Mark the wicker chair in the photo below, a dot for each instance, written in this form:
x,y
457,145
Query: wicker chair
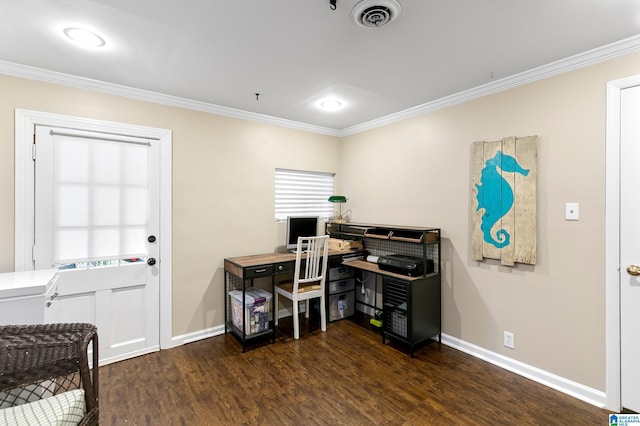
x,y
39,361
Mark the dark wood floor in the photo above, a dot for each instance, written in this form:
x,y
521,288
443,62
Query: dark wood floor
x,y
342,377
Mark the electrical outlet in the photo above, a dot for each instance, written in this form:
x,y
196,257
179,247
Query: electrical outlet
x,y
509,340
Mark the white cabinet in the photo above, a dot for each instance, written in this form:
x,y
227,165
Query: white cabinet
x,y
24,296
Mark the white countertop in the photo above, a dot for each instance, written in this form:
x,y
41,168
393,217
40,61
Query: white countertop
x,y
26,283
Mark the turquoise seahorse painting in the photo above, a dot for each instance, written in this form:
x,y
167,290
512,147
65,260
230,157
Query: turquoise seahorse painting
x,y
504,198
495,196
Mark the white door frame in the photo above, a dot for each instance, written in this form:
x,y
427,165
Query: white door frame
x,y
25,122
612,239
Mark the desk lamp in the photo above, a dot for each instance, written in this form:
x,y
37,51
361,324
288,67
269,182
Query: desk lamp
x,y
340,199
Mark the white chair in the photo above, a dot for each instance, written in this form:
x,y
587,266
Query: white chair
x,y
309,284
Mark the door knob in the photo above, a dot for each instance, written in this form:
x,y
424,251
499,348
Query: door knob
x,y
633,269
151,261
151,238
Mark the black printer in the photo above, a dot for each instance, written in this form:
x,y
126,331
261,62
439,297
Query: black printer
x,y
405,265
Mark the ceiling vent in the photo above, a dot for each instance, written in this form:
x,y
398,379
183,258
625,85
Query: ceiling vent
x,y
375,13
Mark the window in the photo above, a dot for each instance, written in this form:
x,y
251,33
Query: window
x,y
303,193
93,197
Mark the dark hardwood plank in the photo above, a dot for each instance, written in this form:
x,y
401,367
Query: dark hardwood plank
x,y
342,377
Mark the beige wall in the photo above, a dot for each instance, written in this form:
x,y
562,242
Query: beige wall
x,y
223,177
417,172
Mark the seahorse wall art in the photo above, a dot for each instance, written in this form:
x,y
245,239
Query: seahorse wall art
x,y
504,186
495,196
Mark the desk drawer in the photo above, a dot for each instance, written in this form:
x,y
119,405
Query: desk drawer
x,y
341,285
258,271
341,306
284,268
340,273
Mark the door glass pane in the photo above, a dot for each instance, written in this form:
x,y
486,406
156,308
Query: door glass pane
x,y
135,165
100,198
135,207
72,208
105,242
70,243
106,205
105,162
133,239
70,155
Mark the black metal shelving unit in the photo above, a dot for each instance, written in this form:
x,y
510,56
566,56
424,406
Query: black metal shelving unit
x,y
340,287
242,281
411,306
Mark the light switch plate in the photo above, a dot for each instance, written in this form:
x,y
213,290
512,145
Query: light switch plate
x,y
572,211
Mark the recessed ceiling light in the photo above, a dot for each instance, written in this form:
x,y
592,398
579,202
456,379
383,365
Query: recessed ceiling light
x,y
84,37
330,104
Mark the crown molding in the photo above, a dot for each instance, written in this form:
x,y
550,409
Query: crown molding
x,y
39,74
571,63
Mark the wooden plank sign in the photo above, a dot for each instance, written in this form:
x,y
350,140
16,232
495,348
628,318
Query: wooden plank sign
x,y
504,192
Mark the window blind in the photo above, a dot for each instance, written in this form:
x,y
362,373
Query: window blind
x,y
100,199
303,193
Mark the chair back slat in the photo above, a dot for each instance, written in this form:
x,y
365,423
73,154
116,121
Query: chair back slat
x,y
315,258
315,262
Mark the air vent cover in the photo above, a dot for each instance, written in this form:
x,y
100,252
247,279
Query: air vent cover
x,y
375,13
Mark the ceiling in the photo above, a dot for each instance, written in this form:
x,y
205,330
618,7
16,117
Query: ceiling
x,y
293,53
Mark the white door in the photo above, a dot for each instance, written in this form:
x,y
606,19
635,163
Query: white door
x,y
97,221
630,248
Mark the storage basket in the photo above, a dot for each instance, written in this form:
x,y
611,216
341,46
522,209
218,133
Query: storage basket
x,y
257,311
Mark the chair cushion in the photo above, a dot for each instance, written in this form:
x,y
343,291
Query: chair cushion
x,y
302,288
67,408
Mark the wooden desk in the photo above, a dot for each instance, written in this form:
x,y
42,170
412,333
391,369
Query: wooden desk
x,y
373,267
411,311
241,271
234,264
252,266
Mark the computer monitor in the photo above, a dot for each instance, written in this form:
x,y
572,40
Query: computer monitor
x,y
300,226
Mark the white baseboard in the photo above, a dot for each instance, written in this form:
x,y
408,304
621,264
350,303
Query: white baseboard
x,y
576,390
128,355
195,336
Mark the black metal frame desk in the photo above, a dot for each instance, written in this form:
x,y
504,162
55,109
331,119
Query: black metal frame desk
x,y
411,305
240,273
